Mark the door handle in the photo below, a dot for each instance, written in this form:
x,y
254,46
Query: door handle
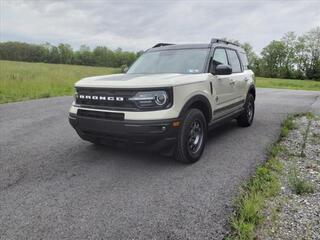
x,y
246,79
232,82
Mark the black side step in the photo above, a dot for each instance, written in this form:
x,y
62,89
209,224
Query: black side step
x,y
228,117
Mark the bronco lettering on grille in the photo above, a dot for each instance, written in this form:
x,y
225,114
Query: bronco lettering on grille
x,y
101,98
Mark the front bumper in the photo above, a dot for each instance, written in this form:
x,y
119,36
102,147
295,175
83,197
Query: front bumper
x,y
154,135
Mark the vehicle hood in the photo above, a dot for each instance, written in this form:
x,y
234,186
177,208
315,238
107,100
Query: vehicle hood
x,y
141,80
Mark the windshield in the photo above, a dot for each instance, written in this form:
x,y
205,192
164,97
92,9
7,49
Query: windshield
x,y
189,61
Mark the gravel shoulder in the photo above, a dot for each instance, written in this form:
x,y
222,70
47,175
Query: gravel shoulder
x,y
295,212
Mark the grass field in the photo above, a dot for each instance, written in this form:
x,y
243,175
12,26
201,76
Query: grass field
x,y
288,83
23,81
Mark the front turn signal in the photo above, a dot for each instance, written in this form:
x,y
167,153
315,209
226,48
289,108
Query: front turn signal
x,y
176,124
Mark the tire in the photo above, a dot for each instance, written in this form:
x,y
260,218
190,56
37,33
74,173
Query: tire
x,y
246,118
192,137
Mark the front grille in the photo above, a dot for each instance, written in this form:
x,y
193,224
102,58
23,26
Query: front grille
x,y
113,99
104,115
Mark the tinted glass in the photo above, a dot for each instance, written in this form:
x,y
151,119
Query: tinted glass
x,y
234,61
190,61
220,56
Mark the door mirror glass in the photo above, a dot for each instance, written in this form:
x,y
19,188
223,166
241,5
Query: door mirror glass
x,y
223,69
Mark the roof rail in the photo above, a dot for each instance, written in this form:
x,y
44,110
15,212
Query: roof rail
x,y
162,45
216,40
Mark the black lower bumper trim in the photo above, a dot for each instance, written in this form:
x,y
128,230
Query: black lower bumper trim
x,y
156,134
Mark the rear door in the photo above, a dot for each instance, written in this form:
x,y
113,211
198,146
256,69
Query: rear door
x,y
237,82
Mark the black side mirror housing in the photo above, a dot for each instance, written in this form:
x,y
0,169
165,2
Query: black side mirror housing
x,y
222,69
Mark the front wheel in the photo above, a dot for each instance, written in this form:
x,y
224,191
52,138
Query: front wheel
x,y
246,118
192,137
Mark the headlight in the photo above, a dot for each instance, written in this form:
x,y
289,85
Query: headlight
x,y
151,99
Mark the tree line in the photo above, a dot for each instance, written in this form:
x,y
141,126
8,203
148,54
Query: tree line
x,y
296,57
64,54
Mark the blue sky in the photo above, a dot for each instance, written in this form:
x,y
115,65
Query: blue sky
x,y
136,25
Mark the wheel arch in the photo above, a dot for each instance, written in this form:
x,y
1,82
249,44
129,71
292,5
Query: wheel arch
x,y
252,90
200,102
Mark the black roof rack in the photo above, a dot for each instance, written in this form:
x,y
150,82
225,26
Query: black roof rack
x,y
216,40
162,45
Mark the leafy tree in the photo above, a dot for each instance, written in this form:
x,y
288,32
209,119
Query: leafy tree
x,y
273,59
65,53
289,41
253,59
84,56
301,58
312,48
104,57
54,56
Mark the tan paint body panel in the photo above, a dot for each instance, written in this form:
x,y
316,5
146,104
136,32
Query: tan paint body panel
x,y
141,81
185,86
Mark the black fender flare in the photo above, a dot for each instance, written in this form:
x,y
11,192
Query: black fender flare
x,y
198,101
252,89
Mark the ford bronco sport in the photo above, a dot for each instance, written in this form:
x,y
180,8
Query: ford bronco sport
x,y
168,99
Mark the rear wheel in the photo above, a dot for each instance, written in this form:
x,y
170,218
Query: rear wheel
x,y
246,118
192,137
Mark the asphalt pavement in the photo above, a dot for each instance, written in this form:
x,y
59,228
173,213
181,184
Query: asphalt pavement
x,y
53,185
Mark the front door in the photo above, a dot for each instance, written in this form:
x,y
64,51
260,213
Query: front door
x,y
223,84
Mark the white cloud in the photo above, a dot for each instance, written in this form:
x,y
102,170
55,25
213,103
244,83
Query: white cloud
x,y
136,25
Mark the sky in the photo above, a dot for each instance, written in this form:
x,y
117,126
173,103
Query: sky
x,y
135,25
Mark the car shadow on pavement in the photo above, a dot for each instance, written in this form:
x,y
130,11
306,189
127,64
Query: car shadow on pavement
x,y
130,155
126,155
221,130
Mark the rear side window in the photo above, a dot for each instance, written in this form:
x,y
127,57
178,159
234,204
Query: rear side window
x,y
244,60
220,56
234,61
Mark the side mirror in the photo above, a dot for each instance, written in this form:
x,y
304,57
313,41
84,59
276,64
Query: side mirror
x,y
223,70
124,68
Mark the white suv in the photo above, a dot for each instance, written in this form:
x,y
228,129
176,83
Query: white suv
x,y
168,99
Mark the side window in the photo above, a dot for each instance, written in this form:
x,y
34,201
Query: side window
x,y
244,60
234,61
220,56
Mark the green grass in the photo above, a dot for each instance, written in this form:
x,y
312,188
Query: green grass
x,y
288,83
23,81
249,205
286,126
299,186
264,184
